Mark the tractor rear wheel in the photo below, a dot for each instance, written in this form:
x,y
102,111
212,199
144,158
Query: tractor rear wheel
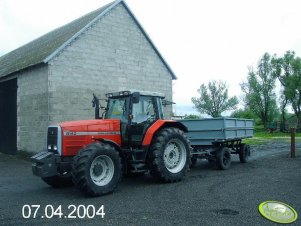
x,y
58,181
169,155
96,169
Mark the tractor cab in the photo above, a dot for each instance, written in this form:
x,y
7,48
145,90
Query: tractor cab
x,y
137,111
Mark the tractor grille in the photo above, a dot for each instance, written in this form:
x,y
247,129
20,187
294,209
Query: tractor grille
x,y
52,139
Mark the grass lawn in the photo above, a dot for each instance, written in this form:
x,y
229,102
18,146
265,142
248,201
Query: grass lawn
x,y
261,136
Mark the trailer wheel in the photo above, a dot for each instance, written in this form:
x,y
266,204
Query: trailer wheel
x,y
244,153
96,169
58,181
223,158
169,155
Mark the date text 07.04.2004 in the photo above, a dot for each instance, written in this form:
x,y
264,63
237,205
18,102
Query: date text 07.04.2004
x,y
71,211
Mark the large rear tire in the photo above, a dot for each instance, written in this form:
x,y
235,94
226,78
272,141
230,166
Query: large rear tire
x,y
169,155
96,169
58,181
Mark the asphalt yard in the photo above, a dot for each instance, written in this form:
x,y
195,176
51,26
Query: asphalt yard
x,y
206,196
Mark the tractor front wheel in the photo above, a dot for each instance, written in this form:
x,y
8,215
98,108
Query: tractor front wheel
x,y
96,169
169,155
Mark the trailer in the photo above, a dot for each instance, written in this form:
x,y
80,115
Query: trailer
x,y
215,139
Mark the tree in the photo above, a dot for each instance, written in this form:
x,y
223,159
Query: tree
x,y
243,113
191,116
259,90
283,103
214,99
246,114
288,70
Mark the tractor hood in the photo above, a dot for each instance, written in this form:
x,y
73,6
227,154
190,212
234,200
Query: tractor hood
x,y
76,134
87,122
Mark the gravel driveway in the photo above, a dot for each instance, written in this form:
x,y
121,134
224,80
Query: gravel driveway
x,y
205,197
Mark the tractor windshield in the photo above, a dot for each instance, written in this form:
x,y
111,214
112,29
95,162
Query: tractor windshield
x,y
118,109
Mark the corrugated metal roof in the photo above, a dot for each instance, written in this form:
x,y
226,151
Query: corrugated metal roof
x,y
44,48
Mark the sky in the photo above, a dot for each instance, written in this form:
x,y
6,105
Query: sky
x,y
200,40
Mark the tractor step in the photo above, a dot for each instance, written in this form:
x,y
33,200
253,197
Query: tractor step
x,y
138,171
136,155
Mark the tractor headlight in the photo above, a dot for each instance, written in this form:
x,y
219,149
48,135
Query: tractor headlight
x,y
54,139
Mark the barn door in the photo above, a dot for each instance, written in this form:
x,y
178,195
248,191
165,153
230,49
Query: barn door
x,y
8,116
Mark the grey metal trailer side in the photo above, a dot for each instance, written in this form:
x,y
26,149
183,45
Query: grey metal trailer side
x,y
215,139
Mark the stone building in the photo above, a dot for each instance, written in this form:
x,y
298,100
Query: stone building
x,y
52,78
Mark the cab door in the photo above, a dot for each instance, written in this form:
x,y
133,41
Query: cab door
x,y
118,108
143,114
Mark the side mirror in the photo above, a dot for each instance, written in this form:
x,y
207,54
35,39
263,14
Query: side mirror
x,y
135,97
95,104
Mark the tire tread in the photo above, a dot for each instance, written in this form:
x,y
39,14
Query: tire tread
x,y
157,168
81,163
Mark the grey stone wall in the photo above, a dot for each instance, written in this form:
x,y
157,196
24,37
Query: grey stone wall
x,y
32,108
112,55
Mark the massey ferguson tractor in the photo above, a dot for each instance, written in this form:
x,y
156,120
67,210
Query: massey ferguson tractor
x,y
130,138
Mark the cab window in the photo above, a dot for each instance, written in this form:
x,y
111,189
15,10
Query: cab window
x,y
144,110
117,109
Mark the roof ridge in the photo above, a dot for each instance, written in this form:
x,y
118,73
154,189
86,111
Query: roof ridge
x,y
83,29
149,40
40,48
57,28
75,20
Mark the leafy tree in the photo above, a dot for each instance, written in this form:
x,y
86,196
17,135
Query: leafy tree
x,y
243,113
259,90
283,103
214,99
246,114
191,116
288,70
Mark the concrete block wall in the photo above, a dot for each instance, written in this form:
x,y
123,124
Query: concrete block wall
x,y
32,108
112,55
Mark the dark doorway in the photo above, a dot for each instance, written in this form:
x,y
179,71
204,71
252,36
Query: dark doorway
x,y
8,116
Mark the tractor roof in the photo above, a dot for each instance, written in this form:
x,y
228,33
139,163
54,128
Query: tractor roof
x,y
129,92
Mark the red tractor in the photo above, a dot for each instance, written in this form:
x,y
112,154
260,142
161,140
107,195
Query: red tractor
x,y
131,137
